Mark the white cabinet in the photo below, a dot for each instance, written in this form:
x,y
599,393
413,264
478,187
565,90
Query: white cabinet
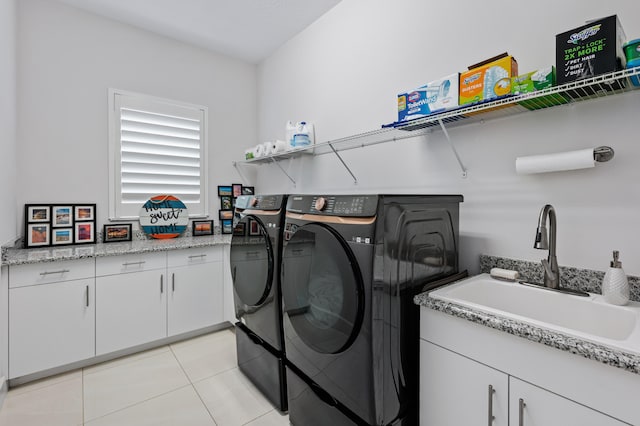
x,y
533,406
51,321
131,302
456,390
196,289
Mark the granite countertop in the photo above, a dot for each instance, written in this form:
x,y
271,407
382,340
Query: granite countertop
x,y
607,355
14,256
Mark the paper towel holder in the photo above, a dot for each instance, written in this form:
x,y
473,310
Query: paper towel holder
x,y
602,154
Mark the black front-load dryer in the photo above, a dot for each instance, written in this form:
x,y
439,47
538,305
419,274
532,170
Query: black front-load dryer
x,y
255,268
351,267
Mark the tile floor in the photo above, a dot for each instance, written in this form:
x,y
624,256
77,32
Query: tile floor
x,y
191,383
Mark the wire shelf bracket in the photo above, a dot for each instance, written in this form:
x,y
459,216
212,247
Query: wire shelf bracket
x,y
355,180
453,148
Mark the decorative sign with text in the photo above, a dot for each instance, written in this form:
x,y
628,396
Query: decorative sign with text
x,y
164,216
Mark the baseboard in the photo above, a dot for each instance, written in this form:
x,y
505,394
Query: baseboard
x,y
4,388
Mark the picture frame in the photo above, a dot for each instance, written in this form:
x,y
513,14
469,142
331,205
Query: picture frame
x,y
84,212
38,234
61,236
37,213
84,232
248,190
240,230
116,232
226,202
236,189
227,226
225,214
225,190
201,227
254,229
61,216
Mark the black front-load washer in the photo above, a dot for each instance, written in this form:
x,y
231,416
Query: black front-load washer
x,y
351,267
255,268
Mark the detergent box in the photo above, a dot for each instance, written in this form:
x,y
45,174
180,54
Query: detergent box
x,y
435,96
488,80
543,78
592,49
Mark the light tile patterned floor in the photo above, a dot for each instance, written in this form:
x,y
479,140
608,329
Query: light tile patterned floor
x,y
191,383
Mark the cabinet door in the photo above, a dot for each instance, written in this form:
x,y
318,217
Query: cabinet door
x,y
543,408
131,310
195,297
455,390
50,325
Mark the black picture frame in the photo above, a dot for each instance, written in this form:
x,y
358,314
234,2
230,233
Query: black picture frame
x,y
225,190
240,230
226,203
116,232
248,190
84,232
59,224
225,214
254,228
236,189
201,227
84,212
227,226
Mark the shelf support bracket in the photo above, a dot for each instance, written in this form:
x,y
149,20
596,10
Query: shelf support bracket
x,y
277,163
355,180
239,170
453,148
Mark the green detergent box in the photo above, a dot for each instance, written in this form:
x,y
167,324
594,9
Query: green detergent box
x,y
543,78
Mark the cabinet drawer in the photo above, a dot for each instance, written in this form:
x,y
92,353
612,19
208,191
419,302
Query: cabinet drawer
x,y
50,272
130,263
194,256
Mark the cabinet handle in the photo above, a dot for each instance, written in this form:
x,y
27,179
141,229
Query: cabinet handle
x,y
87,296
173,282
490,407
161,283
197,256
61,271
134,263
521,406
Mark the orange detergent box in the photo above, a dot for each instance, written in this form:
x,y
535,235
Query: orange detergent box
x,y
488,80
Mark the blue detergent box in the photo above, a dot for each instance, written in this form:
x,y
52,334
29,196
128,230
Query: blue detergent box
x,y
435,96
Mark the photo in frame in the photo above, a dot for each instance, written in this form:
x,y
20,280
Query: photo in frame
x,y
37,213
240,230
116,232
84,212
237,189
254,229
38,234
61,236
226,203
201,227
227,226
225,190
61,216
248,190
225,214
85,232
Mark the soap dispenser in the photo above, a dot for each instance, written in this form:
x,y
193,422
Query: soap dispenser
x,y
615,286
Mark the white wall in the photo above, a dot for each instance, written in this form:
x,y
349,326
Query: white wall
x,y
343,74
67,60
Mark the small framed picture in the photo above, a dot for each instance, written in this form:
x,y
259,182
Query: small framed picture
x,y
226,202
37,213
254,229
38,234
84,212
85,232
240,229
225,214
61,216
202,227
61,236
225,191
248,190
227,226
237,189
116,232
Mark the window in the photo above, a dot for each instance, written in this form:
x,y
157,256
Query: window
x,y
156,146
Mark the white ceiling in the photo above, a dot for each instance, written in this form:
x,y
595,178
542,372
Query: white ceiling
x,y
250,30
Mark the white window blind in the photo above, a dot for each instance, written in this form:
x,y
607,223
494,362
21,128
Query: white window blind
x,y
157,147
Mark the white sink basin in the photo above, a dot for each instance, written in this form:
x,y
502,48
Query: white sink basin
x,y
589,318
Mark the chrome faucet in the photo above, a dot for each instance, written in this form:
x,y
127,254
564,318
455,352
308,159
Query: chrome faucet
x,y
550,264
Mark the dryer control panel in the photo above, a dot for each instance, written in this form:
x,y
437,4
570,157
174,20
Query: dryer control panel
x,y
334,205
265,202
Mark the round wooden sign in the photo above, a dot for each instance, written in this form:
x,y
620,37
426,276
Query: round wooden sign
x,y
164,216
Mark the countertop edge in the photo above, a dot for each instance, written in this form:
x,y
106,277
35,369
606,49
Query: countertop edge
x,y
14,256
548,337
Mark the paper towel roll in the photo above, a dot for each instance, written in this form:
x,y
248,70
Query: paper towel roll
x,y
258,151
570,160
268,148
279,146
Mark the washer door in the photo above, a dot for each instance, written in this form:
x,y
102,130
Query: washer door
x,y
251,258
322,288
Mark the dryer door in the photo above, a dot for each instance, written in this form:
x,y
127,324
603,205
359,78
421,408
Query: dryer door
x,y
322,288
251,261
